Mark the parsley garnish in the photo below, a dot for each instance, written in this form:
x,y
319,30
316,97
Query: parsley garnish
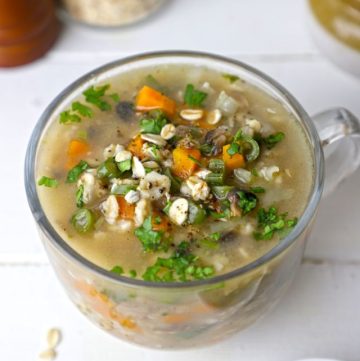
x,y
151,240
82,109
247,201
95,96
193,97
153,122
233,149
67,117
73,115
75,172
181,266
118,270
232,78
132,273
273,139
234,146
48,182
79,196
270,222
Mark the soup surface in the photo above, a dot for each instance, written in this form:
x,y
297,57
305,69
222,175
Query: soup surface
x,y
174,173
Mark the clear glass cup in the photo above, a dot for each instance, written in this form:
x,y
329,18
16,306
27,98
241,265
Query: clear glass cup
x,y
181,315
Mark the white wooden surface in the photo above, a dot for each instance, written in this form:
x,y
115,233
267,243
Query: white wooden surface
x,y
319,317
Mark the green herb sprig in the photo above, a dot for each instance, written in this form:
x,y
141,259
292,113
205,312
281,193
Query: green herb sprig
x,y
193,97
75,172
151,240
181,266
230,77
270,222
48,182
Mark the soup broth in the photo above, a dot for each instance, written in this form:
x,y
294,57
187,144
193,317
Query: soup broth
x,y
174,173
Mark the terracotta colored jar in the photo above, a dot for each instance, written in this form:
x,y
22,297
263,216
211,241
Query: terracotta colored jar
x,y
28,28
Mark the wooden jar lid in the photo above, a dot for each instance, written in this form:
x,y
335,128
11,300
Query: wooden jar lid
x,y
28,28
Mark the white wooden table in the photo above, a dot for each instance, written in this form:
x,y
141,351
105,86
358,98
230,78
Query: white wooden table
x,y
320,315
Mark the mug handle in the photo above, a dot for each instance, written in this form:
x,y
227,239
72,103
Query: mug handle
x,y
339,132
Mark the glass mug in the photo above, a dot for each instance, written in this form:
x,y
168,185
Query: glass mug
x,y
181,315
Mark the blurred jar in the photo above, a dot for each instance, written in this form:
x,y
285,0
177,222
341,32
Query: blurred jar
x,y
28,29
335,25
110,13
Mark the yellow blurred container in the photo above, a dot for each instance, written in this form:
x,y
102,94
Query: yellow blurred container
x,y
335,25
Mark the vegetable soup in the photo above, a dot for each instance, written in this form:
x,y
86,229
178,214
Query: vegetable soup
x,y
174,173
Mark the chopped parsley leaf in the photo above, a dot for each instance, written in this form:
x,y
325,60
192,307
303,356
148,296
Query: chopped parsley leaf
x,y
151,240
273,139
48,182
67,117
181,266
270,222
230,77
75,172
132,273
118,270
193,97
233,149
153,122
82,109
247,201
94,96
79,196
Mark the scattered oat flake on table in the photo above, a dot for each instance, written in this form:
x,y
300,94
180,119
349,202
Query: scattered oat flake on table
x,y
47,355
53,337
